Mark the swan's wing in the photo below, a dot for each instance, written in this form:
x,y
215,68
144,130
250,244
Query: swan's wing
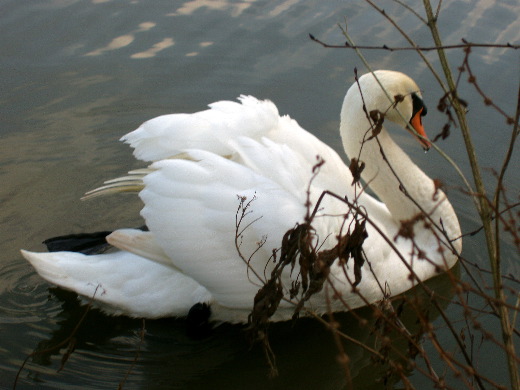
x,y
192,203
169,135
121,282
192,208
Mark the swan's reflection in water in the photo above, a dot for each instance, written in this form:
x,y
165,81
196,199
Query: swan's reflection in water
x,y
109,351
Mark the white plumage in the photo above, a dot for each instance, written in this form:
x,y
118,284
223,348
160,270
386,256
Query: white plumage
x,y
203,163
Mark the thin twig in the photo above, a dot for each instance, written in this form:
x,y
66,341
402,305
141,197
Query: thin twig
x,y
385,47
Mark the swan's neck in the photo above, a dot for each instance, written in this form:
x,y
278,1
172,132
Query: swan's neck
x,y
388,169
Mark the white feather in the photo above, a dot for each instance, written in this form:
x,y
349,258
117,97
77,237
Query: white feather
x,y
166,136
121,283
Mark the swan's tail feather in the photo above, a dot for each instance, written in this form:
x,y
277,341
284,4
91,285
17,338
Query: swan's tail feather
x,y
133,182
121,283
64,269
46,264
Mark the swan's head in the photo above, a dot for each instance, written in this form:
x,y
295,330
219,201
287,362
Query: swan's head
x,y
402,103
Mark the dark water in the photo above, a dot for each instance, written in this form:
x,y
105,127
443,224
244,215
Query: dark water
x,y
77,75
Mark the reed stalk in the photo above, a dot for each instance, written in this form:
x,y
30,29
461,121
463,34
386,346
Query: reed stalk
x,y
485,211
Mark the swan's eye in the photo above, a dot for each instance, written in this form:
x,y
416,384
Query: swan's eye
x,y
417,105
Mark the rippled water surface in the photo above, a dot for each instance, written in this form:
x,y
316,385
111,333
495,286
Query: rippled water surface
x,y
77,75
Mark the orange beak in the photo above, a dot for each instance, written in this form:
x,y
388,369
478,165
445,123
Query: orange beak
x,y
416,123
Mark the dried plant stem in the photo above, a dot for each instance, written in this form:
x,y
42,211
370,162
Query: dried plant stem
x,y
507,159
484,209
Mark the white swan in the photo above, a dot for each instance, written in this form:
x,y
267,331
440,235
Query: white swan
x,y
203,161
